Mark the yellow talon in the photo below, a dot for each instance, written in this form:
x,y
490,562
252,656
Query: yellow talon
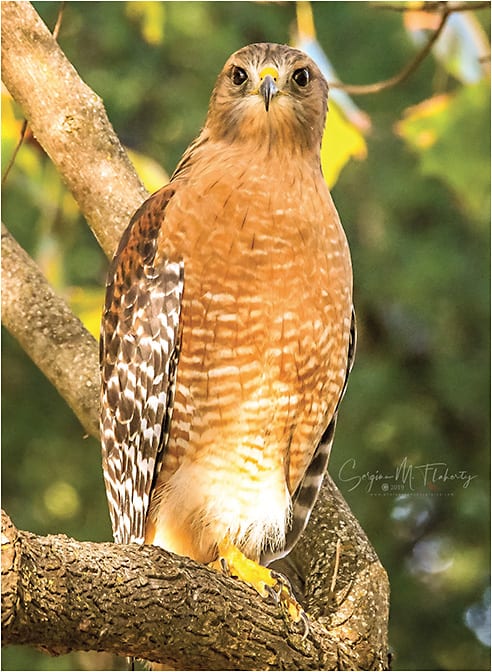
x,y
241,567
266,582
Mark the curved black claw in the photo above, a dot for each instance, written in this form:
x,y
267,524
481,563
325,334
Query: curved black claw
x,y
224,566
273,594
281,593
305,623
281,578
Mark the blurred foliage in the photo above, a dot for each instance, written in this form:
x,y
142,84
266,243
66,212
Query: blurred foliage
x,y
463,48
435,128
416,212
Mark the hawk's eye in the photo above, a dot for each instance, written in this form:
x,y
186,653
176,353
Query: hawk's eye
x,y
238,75
301,77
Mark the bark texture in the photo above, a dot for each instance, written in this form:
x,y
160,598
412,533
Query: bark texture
x,y
63,595
53,337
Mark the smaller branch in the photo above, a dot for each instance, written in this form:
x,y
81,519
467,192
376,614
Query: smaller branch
x,y
376,87
49,332
22,135
59,19
342,582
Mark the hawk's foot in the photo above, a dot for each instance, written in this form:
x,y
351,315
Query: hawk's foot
x,y
266,582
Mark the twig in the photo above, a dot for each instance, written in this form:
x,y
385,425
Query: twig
x,y
376,87
337,564
56,31
434,6
16,151
59,19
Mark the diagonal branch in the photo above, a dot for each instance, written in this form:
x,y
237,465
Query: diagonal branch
x,y
376,87
69,121
49,332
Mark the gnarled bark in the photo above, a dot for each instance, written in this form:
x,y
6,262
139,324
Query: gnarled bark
x,y
61,595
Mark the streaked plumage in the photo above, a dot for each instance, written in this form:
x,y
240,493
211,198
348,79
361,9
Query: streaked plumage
x,y
228,331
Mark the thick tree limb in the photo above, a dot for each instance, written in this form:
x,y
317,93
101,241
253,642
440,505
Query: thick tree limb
x,y
69,121
62,595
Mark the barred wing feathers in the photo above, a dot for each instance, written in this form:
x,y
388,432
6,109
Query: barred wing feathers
x,y
139,352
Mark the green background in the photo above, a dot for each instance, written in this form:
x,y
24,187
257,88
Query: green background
x,y
418,227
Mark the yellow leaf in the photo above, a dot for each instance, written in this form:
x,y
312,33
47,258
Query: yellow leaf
x,y
341,142
415,126
149,171
87,304
151,17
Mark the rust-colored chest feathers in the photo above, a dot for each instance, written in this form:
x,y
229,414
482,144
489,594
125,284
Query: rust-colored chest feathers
x,y
258,333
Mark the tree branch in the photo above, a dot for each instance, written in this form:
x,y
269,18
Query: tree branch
x,y
376,87
56,340
63,595
69,121
13,158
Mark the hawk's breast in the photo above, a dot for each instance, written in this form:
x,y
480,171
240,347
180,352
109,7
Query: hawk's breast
x,y
266,318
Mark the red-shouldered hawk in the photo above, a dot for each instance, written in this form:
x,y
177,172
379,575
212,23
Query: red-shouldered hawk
x,y
228,330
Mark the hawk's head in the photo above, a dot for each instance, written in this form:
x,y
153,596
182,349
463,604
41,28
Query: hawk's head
x,y
269,93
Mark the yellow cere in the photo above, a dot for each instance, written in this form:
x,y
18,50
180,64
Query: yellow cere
x,y
273,72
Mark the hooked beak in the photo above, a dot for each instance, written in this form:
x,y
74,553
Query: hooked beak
x,y
268,87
